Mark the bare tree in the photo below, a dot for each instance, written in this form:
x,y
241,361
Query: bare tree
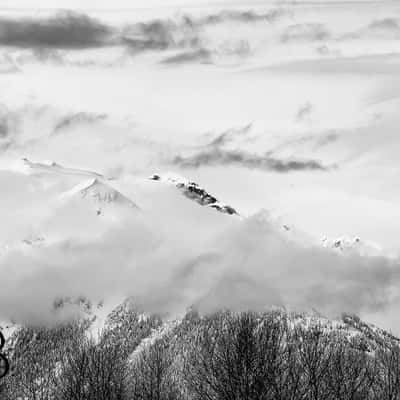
x,y
223,356
289,377
387,373
74,369
34,359
233,356
348,376
314,356
107,366
151,375
91,371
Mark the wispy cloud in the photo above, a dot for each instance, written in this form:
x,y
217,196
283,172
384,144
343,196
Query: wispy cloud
x,y
310,141
191,56
77,118
217,153
377,28
386,24
161,35
229,135
330,137
305,32
45,54
304,111
186,32
9,121
3,128
217,156
244,16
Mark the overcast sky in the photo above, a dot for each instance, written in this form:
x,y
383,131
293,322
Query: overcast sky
x,y
104,4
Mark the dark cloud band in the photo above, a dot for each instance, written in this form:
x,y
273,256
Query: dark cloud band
x,y
72,30
68,30
266,162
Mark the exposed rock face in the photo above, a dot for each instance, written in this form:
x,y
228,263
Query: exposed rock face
x,y
195,192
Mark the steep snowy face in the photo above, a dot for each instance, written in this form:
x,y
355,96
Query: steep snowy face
x,y
100,194
194,192
88,210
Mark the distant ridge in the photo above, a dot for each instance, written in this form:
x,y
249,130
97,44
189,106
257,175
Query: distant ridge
x,y
195,192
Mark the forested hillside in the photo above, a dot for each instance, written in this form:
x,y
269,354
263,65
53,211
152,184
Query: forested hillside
x,y
226,355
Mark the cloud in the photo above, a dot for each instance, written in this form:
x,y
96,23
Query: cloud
x,y
378,28
230,135
192,56
161,35
314,141
8,64
77,118
3,128
304,111
216,153
187,32
266,162
361,65
201,55
197,260
69,30
325,50
327,139
45,54
386,24
385,28
9,121
305,32
65,30
243,16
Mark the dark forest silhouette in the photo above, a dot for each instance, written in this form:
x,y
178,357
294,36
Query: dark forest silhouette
x,y
223,356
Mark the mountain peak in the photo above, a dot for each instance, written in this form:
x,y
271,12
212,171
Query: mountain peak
x,y
100,193
194,192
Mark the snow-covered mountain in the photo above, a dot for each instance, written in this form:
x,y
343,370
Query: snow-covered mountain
x,y
99,193
99,189
88,208
136,331
90,204
194,192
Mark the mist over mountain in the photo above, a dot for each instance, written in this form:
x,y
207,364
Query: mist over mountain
x,y
177,170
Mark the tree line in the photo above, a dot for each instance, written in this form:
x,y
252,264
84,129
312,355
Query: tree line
x,y
223,356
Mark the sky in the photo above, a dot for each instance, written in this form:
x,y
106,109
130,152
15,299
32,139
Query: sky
x,y
283,108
